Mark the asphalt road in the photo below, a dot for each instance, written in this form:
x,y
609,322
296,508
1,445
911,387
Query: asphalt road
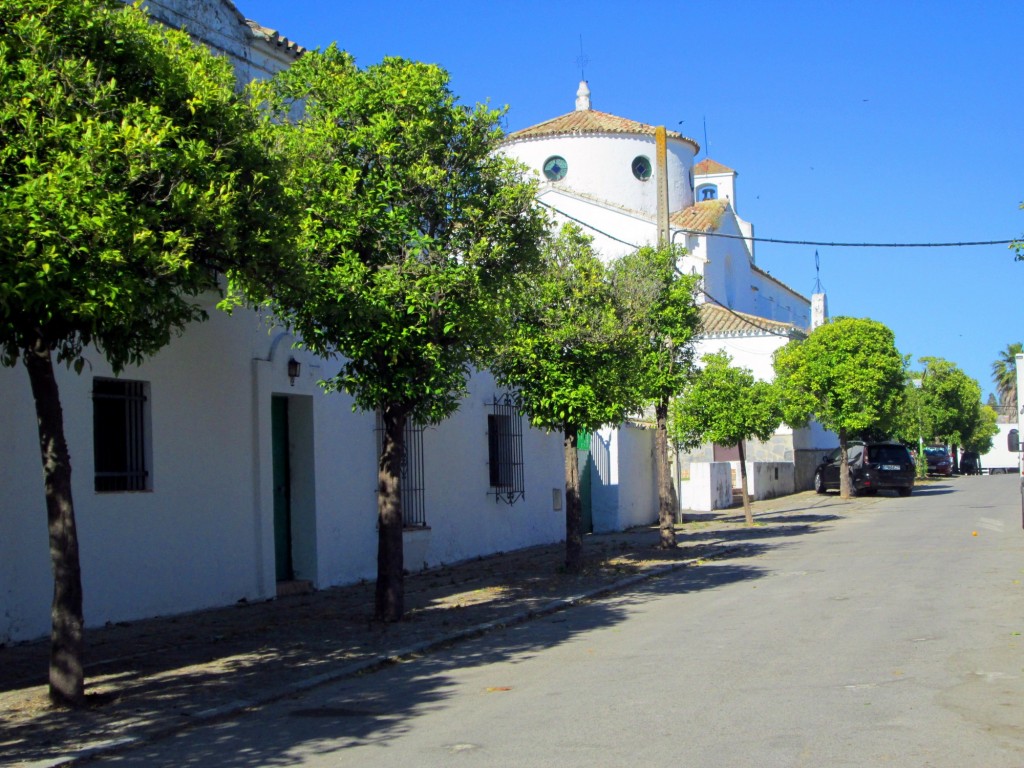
x,y
887,636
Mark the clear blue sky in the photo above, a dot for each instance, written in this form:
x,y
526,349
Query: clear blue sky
x,y
871,121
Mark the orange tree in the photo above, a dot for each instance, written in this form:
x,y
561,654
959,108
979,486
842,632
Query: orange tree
x,y
414,239
130,175
848,375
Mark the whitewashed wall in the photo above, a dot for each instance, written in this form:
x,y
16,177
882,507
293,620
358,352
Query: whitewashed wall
x,y
601,166
769,479
705,486
203,536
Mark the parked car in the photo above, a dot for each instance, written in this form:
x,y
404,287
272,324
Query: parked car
x,y
939,461
873,467
970,463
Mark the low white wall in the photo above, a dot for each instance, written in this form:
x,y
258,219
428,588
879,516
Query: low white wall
x,y
705,486
768,479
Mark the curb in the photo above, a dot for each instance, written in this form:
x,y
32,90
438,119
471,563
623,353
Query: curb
x,y
230,709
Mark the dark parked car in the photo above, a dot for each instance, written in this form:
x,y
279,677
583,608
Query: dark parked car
x,y
939,461
873,466
970,463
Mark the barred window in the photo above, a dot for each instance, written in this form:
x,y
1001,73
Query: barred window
x,y
505,450
414,514
120,435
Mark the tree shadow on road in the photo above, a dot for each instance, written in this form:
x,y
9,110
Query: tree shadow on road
x,y
381,708
165,674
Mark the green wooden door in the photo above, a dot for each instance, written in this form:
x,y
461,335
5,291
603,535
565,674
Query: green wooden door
x,y
586,465
282,489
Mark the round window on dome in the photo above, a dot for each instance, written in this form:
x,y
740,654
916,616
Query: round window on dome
x,y
555,168
642,167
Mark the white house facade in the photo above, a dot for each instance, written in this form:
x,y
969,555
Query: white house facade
x,y
218,470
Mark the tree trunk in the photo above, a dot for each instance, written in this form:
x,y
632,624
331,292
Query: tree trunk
x,y
573,507
67,679
748,512
845,490
955,456
667,502
389,603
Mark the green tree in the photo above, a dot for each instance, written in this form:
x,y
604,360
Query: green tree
x,y
415,236
660,303
986,428
908,424
1004,374
572,358
848,375
951,401
724,404
129,175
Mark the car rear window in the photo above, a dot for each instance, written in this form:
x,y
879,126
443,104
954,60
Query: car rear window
x,y
893,454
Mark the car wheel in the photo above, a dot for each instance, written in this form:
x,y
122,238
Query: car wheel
x,y
819,482
906,491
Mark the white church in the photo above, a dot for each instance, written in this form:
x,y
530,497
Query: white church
x,y
246,481
598,170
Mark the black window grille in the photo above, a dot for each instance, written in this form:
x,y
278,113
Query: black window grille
x,y
119,435
414,514
505,450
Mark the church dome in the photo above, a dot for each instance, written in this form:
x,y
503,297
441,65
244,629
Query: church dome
x,y
605,157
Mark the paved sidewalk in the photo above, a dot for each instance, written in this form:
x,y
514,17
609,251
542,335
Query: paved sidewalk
x,y
150,678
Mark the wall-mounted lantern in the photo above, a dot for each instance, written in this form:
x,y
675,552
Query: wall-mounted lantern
x,y
294,368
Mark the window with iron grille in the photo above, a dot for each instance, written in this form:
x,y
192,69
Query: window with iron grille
x,y
414,514
120,435
505,450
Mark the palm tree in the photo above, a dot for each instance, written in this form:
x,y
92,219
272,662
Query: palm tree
x,y
1004,374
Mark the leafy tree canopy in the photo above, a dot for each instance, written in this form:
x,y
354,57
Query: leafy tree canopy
x,y
570,352
128,175
724,404
415,232
950,401
659,303
986,428
847,374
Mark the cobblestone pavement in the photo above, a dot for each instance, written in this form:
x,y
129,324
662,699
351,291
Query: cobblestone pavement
x,y
154,677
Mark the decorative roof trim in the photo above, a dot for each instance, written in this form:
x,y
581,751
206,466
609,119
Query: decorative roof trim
x,y
581,122
274,38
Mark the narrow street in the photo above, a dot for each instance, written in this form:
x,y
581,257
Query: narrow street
x,y
888,637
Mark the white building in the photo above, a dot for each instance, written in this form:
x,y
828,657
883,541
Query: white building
x,y
598,170
218,470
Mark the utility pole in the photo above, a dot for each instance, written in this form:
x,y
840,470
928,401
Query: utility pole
x,y
661,144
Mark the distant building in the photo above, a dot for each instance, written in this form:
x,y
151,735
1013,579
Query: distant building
x,y
598,170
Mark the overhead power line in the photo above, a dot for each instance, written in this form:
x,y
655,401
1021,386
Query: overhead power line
x,y
716,302
848,245
785,242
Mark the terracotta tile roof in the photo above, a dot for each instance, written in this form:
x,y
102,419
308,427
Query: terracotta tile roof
x,y
273,37
707,165
705,216
583,121
716,320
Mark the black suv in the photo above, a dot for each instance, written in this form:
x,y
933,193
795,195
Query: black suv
x,y
872,466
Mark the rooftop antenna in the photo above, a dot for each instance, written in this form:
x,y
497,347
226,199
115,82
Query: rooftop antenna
x,y
582,61
818,287
706,152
